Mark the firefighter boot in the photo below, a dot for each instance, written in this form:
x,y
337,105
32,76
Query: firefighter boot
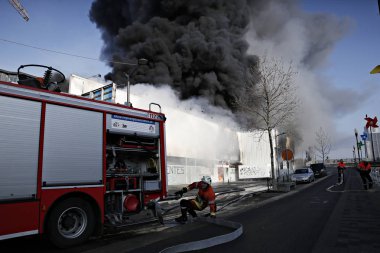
x,y
192,213
183,218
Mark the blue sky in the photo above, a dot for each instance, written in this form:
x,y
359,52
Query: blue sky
x,y
64,26
356,54
351,61
56,25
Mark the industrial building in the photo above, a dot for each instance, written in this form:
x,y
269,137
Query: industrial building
x,y
197,144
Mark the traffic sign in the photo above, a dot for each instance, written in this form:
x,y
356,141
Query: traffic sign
x,y
287,155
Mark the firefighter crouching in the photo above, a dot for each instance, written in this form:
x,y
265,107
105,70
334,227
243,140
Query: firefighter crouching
x,y
204,198
364,169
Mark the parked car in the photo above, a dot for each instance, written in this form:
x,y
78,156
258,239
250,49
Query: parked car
x,y
305,175
319,169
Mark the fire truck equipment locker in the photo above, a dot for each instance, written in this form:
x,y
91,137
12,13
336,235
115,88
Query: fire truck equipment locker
x,y
74,133
19,161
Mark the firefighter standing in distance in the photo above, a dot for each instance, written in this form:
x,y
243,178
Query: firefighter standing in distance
x,y
205,197
364,169
341,167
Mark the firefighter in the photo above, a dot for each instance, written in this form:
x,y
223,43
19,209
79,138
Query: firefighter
x,y
341,167
365,170
204,198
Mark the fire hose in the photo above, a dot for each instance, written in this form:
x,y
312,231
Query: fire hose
x,y
205,243
209,242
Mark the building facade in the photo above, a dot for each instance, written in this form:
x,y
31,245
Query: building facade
x,y
197,144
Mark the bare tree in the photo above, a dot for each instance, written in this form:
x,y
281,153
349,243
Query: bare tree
x,y
271,99
323,145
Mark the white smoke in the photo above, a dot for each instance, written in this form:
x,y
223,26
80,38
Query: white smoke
x,y
280,29
194,128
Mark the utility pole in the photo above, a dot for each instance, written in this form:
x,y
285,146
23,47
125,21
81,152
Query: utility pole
x,y
357,142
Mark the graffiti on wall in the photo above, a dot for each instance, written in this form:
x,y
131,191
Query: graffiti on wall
x,y
252,172
176,169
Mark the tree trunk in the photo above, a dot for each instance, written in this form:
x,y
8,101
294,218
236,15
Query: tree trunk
x,y
271,155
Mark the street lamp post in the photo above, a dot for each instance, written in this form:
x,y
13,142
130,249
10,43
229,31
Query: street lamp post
x,y
364,139
140,62
375,70
357,143
373,150
353,151
278,149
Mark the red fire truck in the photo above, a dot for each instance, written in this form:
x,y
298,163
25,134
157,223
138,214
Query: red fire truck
x,y
70,165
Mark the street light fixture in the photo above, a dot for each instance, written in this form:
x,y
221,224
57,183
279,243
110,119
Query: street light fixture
x,y
375,70
140,62
357,143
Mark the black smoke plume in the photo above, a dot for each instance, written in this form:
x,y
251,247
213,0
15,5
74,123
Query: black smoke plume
x,y
200,48
197,47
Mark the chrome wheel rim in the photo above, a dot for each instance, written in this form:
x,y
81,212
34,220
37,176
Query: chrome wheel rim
x,y
72,222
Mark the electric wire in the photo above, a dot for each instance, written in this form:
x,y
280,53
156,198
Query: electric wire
x,y
64,53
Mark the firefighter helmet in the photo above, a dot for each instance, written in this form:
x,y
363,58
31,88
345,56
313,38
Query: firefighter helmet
x,y
206,179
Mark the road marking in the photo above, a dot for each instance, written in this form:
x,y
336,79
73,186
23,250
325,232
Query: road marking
x,y
330,190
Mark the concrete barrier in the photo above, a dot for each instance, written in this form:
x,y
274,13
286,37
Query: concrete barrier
x,y
285,186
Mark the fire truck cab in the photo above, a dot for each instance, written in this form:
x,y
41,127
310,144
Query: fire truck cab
x,y
70,165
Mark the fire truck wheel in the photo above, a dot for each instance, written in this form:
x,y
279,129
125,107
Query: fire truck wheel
x,y
71,222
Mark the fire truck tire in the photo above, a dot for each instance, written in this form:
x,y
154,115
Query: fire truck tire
x,y
71,222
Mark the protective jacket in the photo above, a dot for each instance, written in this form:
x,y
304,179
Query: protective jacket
x,y
341,165
364,167
204,197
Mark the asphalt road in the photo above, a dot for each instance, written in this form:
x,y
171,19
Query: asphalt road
x,y
316,217
291,224
321,218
